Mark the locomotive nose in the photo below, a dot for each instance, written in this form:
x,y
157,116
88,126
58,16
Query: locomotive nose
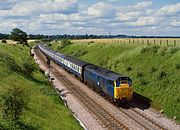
x,y
124,92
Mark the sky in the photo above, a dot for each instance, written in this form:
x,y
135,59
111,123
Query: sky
x,y
129,17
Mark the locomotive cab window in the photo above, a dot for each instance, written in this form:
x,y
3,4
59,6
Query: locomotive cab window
x,y
117,83
124,81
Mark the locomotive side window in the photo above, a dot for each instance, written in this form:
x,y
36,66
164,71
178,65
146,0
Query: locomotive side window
x,y
110,82
98,77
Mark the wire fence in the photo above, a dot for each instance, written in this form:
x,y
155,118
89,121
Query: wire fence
x,y
148,41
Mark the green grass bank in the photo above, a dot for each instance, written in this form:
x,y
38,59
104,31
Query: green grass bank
x,y
155,70
44,111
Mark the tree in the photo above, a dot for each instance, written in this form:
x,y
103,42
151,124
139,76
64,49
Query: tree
x,y
19,35
4,41
65,42
14,102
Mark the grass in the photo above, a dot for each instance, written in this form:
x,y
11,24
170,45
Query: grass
x,y
44,110
155,70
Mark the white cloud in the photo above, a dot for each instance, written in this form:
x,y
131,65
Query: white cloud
x,y
144,21
169,10
102,9
175,23
37,7
142,5
129,16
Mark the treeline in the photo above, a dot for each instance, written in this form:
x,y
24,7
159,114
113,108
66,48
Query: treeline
x,y
86,36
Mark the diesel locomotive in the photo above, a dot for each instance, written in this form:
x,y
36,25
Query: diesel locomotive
x,y
112,85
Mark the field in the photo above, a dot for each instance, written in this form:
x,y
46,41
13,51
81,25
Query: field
x,y
148,41
44,110
154,69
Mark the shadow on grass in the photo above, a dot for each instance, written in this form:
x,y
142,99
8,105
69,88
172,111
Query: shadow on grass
x,y
21,126
140,101
37,81
24,126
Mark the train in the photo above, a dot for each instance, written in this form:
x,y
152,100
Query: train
x,y
114,86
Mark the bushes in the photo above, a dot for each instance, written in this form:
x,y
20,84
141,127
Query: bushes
x,y
174,50
14,102
153,49
80,53
128,68
153,69
65,42
4,41
28,65
161,75
177,66
145,50
10,63
139,74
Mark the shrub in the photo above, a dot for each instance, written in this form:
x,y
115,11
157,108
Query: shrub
x,y
144,50
79,53
139,74
65,42
161,75
90,42
178,66
4,41
143,82
49,44
58,47
153,69
128,68
174,50
14,102
28,67
10,63
155,49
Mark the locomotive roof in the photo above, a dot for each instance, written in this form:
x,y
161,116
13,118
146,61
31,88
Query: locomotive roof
x,y
76,61
105,73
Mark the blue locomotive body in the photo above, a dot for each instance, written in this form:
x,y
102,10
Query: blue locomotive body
x,y
93,76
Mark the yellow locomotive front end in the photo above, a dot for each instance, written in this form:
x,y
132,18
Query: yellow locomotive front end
x,y
123,89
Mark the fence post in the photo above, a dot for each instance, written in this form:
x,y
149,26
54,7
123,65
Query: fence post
x,y
148,42
143,41
174,42
154,41
160,42
133,40
129,40
167,42
124,41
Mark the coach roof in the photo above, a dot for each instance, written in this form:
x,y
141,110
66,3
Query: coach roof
x,y
107,74
60,55
76,61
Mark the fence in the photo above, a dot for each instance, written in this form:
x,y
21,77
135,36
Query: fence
x,y
148,41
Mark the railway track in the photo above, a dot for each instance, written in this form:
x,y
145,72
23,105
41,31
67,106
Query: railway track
x,y
106,119
141,119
